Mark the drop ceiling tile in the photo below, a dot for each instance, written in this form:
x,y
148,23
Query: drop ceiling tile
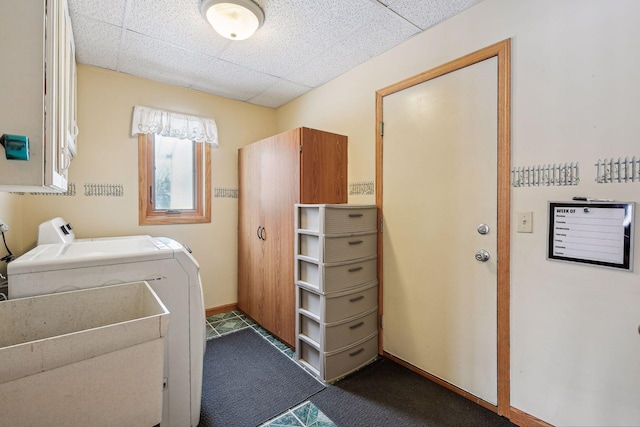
x,y
300,23
178,22
430,12
144,56
111,11
381,31
270,55
96,42
279,94
294,33
233,81
328,65
309,21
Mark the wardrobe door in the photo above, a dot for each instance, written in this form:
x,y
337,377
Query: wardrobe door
x,y
323,170
250,245
280,190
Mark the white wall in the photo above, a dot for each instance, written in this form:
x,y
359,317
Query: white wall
x,y
575,347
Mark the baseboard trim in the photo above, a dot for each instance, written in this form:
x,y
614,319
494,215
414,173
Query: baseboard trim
x,y
221,309
523,419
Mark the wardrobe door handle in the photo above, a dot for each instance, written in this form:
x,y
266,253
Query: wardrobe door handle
x,y
358,298
356,242
354,269
262,233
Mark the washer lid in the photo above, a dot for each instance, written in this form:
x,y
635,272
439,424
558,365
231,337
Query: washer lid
x,y
62,256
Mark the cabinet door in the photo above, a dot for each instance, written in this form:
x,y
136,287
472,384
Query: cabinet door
x,y
250,245
323,169
69,125
30,41
55,172
280,191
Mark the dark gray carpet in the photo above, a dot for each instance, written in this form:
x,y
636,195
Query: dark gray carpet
x,y
387,394
248,381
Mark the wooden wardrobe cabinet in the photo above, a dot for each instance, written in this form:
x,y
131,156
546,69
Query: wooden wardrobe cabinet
x,y
298,166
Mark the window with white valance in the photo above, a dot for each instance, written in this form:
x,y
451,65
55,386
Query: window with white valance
x,y
177,125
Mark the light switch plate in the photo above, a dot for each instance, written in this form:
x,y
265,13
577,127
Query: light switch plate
x,y
524,221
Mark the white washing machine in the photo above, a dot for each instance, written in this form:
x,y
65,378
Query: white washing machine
x,y
167,266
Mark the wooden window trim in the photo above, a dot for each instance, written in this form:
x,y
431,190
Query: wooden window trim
x,y
149,216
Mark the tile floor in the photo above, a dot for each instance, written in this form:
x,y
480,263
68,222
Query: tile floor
x,y
303,415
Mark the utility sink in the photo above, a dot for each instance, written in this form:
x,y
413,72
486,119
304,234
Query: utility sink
x,y
88,357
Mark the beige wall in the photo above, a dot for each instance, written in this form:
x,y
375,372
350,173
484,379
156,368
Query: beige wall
x,y
574,345
107,153
10,214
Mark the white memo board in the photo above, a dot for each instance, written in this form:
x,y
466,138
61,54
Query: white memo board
x,y
595,233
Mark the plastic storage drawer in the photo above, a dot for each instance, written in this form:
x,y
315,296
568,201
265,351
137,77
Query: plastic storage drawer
x,y
335,336
332,249
331,366
329,278
337,219
336,307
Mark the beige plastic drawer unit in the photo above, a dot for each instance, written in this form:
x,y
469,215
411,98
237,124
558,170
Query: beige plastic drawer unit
x,y
329,278
336,219
337,288
76,357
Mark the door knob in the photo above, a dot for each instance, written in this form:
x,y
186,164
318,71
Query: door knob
x,y
482,255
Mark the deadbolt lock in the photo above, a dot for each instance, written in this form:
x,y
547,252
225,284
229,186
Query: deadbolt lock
x,y
483,229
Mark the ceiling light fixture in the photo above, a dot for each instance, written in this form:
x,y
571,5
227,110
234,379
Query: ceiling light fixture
x,y
233,19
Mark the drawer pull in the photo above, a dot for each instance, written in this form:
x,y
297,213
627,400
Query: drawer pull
x,y
357,325
356,242
354,269
357,352
358,298
355,215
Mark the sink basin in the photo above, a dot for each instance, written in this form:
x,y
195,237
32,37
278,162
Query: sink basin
x,y
88,357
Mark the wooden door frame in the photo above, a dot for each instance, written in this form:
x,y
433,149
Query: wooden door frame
x,y
501,51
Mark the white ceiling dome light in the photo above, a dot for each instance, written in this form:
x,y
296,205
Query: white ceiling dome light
x,y
233,19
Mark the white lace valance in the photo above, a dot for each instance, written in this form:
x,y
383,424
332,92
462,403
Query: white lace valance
x,y
178,125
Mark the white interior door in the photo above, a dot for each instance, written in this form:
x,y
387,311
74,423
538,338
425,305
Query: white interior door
x,y
439,174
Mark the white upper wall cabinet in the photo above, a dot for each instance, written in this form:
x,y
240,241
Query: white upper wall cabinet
x,y
37,93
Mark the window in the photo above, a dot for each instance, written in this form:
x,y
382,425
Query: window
x,y
175,180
